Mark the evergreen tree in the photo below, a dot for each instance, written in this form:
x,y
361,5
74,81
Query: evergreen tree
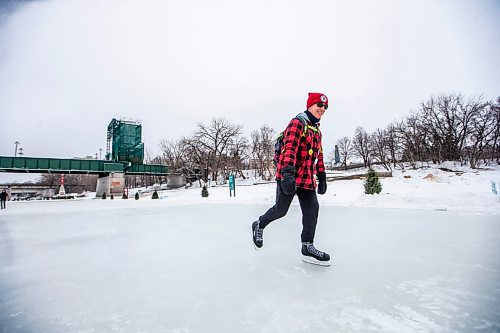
x,y
204,191
155,195
104,195
136,195
372,184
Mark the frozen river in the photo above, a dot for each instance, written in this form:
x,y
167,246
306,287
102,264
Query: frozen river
x,y
148,266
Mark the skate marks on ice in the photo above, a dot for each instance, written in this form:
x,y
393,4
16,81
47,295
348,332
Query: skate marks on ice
x,y
326,315
351,311
468,309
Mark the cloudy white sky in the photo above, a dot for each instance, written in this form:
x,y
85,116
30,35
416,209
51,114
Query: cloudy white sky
x,y
67,67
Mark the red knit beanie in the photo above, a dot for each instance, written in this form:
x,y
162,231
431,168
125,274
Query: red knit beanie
x,y
315,98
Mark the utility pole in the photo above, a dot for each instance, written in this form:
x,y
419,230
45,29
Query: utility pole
x,y
16,143
100,153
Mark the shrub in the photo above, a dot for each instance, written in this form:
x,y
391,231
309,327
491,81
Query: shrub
x,y
136,196
372,184
104,195
155,195
204,191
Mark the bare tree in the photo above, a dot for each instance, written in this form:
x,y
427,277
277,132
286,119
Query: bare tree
x,y
331,155
345,150
440,118
237,155
394,145
414,139
467,110
495,145
263,150
216,139
197,159
172,155
378,147
360,144
447,118
481,135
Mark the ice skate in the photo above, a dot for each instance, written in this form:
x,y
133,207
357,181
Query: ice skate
x,y
311,255
257,235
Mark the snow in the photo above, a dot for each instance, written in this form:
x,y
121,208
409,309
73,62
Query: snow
x,y
466,190
422,256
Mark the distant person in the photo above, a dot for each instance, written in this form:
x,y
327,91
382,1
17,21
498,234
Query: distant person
x,y
3,199
301,158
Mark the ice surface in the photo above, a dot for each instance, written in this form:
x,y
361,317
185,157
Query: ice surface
x,y
189,265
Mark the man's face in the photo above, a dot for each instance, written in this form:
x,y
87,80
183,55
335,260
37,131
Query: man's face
x,y
318,111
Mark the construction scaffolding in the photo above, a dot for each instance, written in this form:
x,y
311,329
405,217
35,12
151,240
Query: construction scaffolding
x,y
124,142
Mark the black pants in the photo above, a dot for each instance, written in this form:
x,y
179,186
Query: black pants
x,y
308,204
2,203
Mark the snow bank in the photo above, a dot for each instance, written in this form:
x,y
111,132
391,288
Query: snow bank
x,y
426,188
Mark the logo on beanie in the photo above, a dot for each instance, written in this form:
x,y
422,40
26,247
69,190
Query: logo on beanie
x,y
323,98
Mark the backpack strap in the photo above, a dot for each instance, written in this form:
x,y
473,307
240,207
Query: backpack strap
x,y
305,121
303,118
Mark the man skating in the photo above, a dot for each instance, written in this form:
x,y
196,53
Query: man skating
x,y
299,160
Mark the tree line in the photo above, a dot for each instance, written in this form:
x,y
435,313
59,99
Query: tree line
x,y
444,128
218,149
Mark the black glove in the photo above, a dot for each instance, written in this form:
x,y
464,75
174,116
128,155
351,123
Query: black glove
x,y
288,184
321,183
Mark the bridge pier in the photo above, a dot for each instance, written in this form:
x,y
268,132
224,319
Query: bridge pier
x,y
113,183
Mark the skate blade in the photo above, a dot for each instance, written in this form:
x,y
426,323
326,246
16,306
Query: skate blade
x,y
312,261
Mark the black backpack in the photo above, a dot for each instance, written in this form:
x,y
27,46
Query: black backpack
x,y
278,145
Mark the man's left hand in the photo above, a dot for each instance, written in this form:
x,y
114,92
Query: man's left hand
x,y
321,183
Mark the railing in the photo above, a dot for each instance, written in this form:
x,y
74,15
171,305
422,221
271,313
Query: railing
x,y
75,166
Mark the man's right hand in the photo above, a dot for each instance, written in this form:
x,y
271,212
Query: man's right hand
x,y
288,184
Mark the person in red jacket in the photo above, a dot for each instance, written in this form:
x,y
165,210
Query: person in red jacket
x,y
300,160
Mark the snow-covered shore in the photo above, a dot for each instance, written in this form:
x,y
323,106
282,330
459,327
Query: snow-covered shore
x,y
466,189
426,188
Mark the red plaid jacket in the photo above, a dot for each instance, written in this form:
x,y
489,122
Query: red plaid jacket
x,y
303,151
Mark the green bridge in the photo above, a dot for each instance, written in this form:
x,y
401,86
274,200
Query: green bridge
x,y
77,166
124,156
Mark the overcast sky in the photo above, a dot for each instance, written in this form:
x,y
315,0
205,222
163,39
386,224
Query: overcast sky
x,y
67,67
